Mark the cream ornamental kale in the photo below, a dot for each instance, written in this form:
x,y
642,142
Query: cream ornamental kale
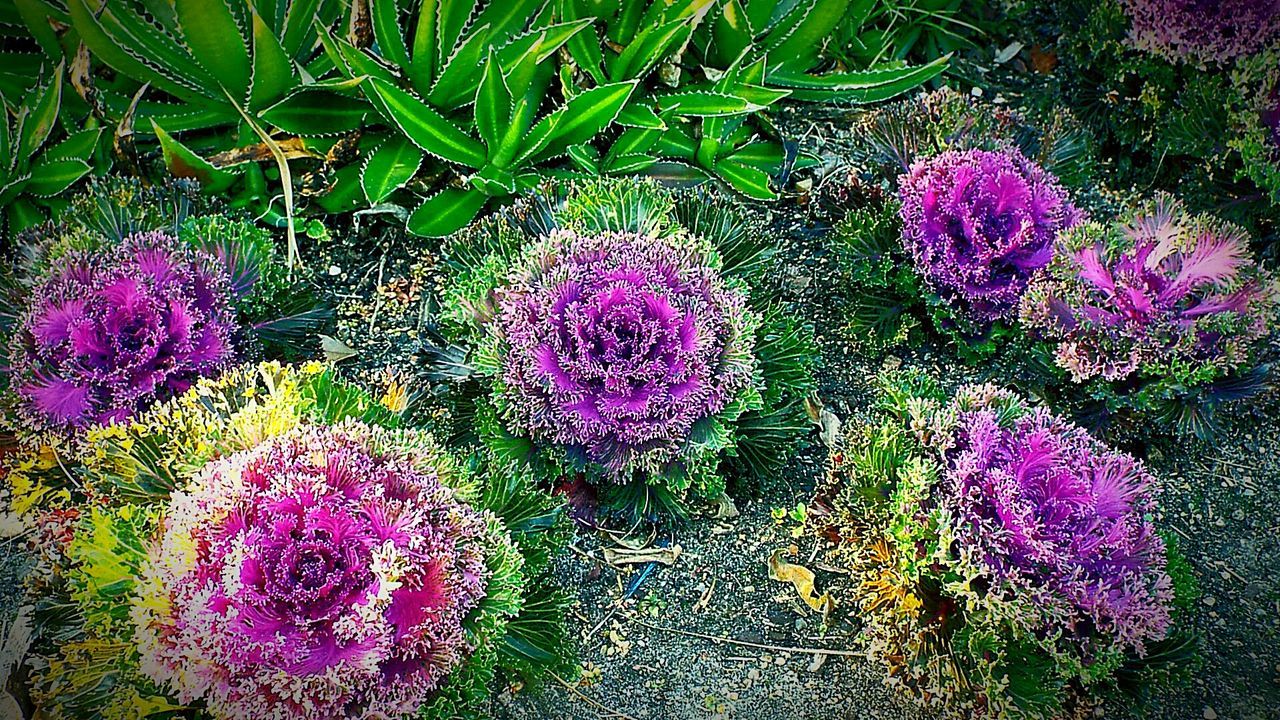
x,y
112,330
979,223
618,343
1207,30
1163,287
318,575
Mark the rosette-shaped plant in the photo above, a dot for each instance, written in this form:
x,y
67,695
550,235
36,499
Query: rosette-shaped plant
x,y
1151,309
618,343
1204,30
1004,561
271,545
129,298
619,339
312,576
110,332
978,224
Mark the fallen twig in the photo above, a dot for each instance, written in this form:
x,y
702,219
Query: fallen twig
x,y
744,643
609,712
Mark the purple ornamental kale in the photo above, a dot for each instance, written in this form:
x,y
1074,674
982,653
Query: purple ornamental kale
x,y
979,223
1051,515
113,330
1208,30
616,344
324,574
1166,286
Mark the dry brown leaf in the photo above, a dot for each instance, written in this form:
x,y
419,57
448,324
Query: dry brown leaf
x,y
625,556
335,350
293,148
801,578
828,423
725,507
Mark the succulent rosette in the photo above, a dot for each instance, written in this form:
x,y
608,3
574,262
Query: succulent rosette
x,y
619,339
270,544
1158,303
1203,30
110,332
1004,561
978,224
128,299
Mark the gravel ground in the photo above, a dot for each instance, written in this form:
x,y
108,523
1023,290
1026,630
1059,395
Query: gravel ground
x,y
713,637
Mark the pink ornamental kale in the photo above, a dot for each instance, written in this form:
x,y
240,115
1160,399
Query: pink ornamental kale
x,y
319,575
1165,287
1051,515
113,330
1208,30
979,223
617,344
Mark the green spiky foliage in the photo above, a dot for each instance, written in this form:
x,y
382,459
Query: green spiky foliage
x,y
97,513
953,634
745,443
1161,125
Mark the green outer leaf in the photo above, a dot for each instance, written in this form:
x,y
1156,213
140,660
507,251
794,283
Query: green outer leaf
x,y
461,75
731,34
22,215
386,31
422,67
298,20
799,44
53,176
78,145
105,47
314,111
705,103
493,104
446,213
451,18
639,115
629,163
583,117
210,30
648,48
749,181
584,48
40,122
273,74
424,126
388,168
184,163
863,86
35,15
764,155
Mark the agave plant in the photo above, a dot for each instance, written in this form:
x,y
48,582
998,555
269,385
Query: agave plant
x,y
1162,312
226,74
34,171
466,85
